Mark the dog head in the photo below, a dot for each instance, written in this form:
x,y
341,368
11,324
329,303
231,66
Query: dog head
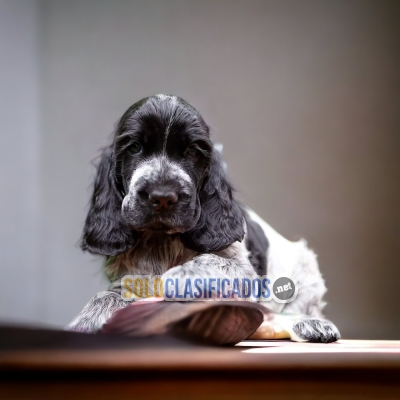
x,y
161,174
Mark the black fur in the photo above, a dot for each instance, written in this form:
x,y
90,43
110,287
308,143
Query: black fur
x,y
221,219
105,233
257,244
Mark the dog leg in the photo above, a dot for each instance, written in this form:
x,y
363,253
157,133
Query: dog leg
x,y
296,326
208,266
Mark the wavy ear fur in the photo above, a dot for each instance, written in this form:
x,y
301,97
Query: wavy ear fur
x,y
221,221
105,233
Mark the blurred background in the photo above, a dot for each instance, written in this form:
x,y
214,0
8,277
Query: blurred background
x,y
304,95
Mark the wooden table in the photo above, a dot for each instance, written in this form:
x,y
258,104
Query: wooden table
x,y
41,364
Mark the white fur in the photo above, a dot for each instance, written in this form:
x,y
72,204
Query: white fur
x,y
150,170
297,262
174,102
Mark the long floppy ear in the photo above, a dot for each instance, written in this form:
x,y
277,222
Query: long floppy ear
x,y
221,221
105,233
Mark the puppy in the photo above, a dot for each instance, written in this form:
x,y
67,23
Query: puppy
x,y
162,205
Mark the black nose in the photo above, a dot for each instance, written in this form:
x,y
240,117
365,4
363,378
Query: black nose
x,y
163,200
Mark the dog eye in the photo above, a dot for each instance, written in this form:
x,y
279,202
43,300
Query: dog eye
x,y
192,151
135,148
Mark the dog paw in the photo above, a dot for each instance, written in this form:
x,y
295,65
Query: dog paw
x,y
316,330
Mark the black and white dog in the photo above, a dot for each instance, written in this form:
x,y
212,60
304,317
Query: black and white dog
x,y
162,205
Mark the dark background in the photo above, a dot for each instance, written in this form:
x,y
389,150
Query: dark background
x,y
304,95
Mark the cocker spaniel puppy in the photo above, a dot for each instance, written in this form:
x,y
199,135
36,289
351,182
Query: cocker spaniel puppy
x,y
162,205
